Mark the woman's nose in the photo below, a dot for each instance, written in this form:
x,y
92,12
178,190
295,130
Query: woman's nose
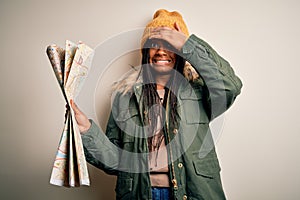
x,y
161,51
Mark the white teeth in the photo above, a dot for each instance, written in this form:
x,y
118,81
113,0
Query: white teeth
x,y
162,61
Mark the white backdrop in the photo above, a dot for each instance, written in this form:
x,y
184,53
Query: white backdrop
x,y
259,145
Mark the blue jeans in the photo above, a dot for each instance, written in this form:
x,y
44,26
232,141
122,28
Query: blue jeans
x,y
160,193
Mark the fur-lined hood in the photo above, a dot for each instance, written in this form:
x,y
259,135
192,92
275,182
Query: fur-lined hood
x,y
128,80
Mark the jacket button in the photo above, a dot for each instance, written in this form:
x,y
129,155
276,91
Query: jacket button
x,y
175,131
180,165
184,197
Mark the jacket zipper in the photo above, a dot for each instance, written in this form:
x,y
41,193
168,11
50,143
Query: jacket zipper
x,y
174,181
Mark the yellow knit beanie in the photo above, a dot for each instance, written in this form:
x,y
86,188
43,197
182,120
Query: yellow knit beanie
x,y
164,18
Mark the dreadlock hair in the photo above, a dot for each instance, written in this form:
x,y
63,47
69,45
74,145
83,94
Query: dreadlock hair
x,y
151,97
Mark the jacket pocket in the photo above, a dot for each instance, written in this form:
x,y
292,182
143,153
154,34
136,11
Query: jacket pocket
x,y
207,167
128,122
125,114
124,187
193,109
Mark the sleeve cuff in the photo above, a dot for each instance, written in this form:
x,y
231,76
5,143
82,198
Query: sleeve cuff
x,y
92,133
191,45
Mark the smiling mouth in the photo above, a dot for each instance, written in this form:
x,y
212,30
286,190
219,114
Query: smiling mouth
x,y
161,62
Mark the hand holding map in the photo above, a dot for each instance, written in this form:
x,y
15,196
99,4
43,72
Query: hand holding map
x,y
71,67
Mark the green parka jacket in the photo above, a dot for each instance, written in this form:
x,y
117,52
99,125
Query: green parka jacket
x,y
193,164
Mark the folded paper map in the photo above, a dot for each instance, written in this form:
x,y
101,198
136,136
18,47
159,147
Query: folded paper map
x,y
70,66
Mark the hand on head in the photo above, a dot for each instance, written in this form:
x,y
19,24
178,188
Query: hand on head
x,y
173,36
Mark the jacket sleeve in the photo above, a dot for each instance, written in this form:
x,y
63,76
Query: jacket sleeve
x,y
222,86
101,150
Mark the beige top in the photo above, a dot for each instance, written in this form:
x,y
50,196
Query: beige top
x,y
158,158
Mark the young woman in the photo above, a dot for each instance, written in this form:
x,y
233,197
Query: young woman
x,y
158,141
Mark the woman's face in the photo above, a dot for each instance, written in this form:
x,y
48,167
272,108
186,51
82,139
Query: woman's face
x,y
162,58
